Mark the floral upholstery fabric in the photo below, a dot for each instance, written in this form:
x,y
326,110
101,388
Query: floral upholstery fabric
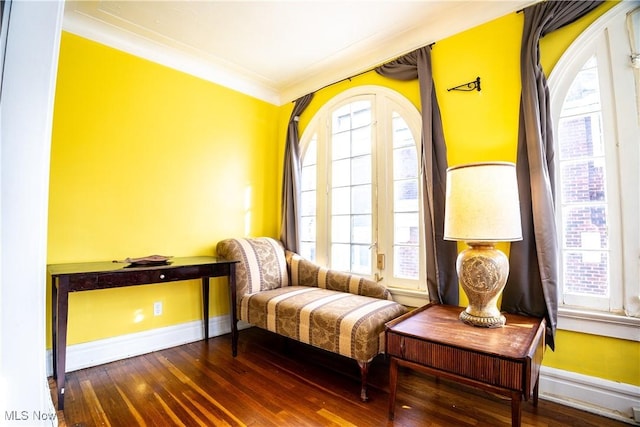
x,y
332,310
341,322
305,273
262,263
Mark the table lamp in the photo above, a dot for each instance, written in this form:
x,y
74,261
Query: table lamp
x,y
482,208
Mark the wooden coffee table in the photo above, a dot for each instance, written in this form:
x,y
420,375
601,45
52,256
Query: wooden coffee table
x,y
502,360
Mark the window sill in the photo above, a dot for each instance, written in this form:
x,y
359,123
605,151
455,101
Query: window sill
x,y
409,297
595,323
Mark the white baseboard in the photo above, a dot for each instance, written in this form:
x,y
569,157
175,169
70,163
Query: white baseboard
x,y
607,398
80,356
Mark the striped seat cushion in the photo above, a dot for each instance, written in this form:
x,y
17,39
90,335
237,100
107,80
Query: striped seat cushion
x,y
340,322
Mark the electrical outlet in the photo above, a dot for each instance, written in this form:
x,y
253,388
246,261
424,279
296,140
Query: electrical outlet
x,y
157,308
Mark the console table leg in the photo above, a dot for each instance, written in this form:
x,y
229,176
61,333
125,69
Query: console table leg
x,y
205,306
54,323
60,354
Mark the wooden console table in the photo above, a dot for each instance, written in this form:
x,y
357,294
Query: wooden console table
x,y
67,278
503,360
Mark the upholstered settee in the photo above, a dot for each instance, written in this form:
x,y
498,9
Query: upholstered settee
x,y
281,292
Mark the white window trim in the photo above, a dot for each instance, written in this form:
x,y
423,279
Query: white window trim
x,y
599,323
575,319
413,297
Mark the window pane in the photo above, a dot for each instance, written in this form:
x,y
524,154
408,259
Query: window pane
x,y
406,262
580,136
405,196
341,145
361,111
361,170
340,200
308,178
341,119
361,226
361,199
308,250
405,163
308,229
361,141
406,249
341,173
586,273
584,92
360,259
310,155
351,116
308,203
406,228
341,257
402,136
583,181
341,229
585,227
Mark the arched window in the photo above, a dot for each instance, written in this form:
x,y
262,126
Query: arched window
x,y
597,133
361,193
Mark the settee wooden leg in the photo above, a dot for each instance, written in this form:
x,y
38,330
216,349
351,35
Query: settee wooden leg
x,y
364,370
234,339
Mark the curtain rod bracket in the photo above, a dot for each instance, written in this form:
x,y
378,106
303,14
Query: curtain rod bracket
x,y
468,87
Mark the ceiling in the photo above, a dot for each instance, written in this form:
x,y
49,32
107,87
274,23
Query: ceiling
x,y
276,50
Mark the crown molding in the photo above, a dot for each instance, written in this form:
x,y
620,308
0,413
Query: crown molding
x,y
217,72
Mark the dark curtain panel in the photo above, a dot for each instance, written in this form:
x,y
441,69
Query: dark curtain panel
x,y
291,178
532,286
442,279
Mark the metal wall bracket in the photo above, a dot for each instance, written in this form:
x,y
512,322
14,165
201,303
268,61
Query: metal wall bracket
x,y
468,87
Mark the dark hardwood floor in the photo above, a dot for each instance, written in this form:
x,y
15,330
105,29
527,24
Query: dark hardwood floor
x,y
275,382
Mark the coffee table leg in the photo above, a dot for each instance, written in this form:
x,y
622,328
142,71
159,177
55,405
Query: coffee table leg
x,y
393,382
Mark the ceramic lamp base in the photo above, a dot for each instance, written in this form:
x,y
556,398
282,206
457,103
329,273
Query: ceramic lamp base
x,y
483,272
483,322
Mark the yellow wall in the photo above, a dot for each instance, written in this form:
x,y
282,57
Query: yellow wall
x,y
481,126
148,160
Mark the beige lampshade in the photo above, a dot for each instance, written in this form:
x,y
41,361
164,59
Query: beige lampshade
x,y
482,203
